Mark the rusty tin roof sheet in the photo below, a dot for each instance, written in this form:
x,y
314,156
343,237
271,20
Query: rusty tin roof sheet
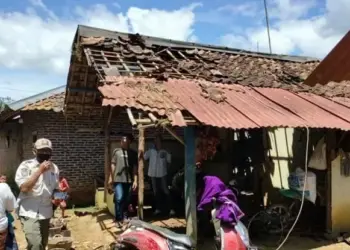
x,y
314,116
228,106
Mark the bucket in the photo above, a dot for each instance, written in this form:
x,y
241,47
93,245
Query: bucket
x,y
54,231
60,242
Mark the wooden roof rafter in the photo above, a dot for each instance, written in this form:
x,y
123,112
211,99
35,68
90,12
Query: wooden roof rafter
x,y
112,63
151,115
152,122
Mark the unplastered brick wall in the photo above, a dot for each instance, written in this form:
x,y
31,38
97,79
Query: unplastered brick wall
x,y
78,154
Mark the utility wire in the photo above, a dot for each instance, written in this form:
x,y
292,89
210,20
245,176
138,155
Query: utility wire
x,y
22,90
267,25
304,189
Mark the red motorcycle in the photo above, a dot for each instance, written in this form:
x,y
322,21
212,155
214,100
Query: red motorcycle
x,y
141,235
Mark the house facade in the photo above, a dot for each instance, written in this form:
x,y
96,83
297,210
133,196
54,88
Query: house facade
x,y
78,141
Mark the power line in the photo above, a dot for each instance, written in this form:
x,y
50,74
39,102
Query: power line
x,y
267,25
22,90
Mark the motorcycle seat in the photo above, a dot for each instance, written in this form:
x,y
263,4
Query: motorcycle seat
x,y
179,238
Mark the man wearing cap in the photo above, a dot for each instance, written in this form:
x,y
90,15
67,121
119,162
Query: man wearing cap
x,y
37,179
123,177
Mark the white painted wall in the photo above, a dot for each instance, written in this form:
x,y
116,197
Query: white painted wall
x,y
281,140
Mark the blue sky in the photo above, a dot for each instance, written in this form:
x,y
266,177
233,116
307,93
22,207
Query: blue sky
x,y
37,34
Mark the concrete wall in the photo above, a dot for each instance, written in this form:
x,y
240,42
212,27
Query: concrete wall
x,y
340,199
281,154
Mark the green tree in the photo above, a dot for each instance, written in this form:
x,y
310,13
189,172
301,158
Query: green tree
x,y
4,101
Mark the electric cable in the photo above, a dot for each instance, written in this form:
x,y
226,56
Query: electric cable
x,y
303,192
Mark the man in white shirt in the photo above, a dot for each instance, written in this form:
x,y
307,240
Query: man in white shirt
x,y
37,180
7,204
157,170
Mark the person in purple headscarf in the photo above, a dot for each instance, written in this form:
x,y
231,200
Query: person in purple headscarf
x,y
227,209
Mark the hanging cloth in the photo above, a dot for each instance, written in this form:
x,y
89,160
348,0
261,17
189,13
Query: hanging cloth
x,y
318,158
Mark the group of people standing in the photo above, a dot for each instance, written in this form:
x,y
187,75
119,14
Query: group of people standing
x,y
38,181
123,179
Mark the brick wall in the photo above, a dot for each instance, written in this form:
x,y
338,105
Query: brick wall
x,y
79,155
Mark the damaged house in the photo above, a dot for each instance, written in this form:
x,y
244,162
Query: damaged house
x,y
119,82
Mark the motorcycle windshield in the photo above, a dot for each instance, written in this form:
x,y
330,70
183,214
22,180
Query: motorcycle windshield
x,y
243,233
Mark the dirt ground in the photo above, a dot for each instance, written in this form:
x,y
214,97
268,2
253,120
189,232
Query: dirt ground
x,y
97,231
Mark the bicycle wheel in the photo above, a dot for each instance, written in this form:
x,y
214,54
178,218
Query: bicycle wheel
x,y
294,210
278,218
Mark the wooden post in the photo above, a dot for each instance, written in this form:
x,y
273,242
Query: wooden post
x,y
107,151
190,183
331,144
141,186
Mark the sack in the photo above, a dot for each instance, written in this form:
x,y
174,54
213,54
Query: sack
x,y
318,157
296,182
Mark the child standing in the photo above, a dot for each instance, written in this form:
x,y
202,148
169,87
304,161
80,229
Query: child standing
x,y
61,197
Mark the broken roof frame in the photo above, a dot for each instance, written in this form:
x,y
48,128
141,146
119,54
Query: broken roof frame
x,y
83,59
112,62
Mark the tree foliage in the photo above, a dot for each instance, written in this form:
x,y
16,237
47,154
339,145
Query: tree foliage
x,y
4,101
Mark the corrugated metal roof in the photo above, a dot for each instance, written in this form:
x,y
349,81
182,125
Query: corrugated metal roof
x,y
313,115
342,100
142,94
42,101
243,107
331,106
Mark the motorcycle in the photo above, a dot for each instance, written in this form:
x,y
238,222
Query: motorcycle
x,y
141,235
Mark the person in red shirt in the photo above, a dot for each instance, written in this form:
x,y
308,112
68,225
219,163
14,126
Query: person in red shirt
x,y
60,199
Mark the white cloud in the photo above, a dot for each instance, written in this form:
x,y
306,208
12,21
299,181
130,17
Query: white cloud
x,y
290,9
160,23
298,26
31,41
245,9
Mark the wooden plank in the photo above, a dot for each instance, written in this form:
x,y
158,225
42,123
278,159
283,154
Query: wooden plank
x,y
171,55
180,53
105,58
190,183
170,131
107,151
141,184
124,65
330,137
131,117
141,66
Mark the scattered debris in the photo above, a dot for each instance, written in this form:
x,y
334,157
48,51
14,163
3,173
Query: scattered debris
x,y
250,69
212,93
